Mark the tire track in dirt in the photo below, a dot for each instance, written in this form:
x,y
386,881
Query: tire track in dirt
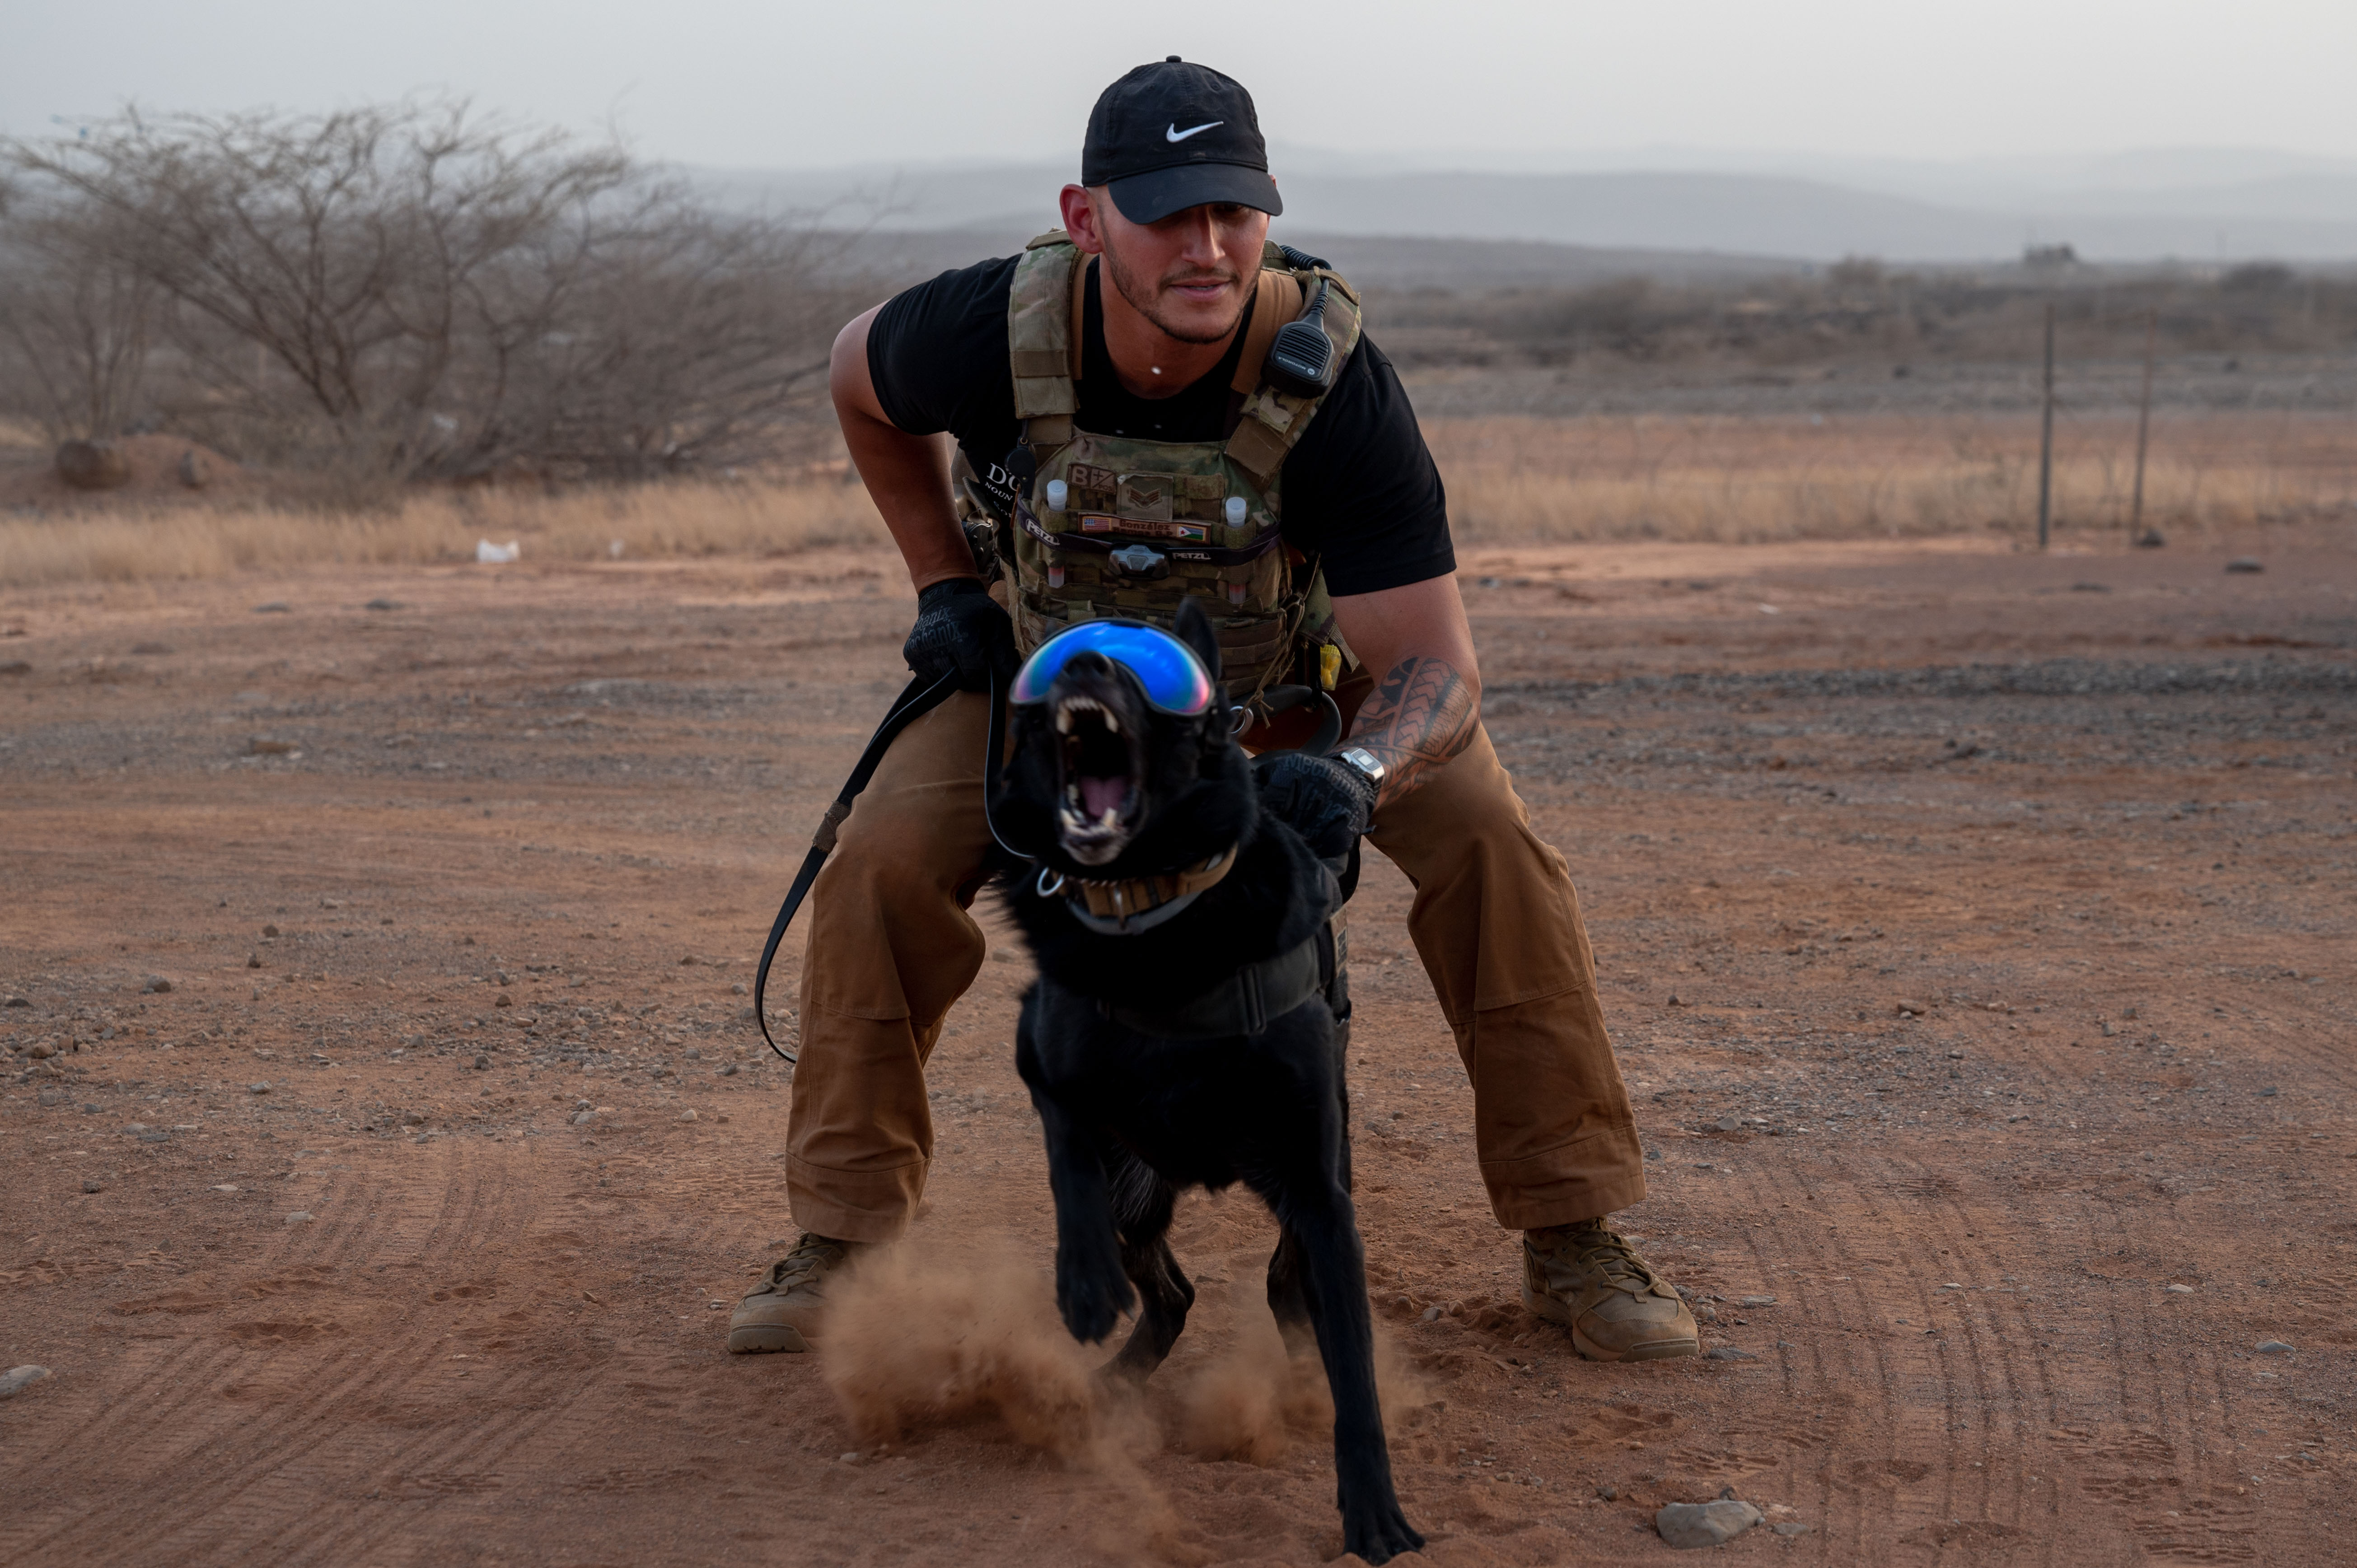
x,y
463,1452
1850,1330
2170,1430
188,1360
2148,1449
2146,1445
1973,1347
1805,1261
225,1486
1972,1356
1911,1373
50,1484
461,1444
459,1455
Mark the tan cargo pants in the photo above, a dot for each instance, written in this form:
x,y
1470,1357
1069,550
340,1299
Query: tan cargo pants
x,y
1495,921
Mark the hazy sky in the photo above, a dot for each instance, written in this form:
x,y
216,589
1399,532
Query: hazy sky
x,y
795,83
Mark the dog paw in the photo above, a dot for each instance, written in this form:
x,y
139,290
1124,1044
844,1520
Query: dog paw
x,y
1092,1299
1379,1534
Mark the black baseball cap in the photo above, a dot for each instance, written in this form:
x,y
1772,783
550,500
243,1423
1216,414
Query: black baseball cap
x,y
1172,135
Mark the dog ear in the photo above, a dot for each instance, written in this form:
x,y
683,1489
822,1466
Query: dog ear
x,y
1193,628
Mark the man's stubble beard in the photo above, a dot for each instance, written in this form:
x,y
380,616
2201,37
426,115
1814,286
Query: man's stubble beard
x,y
1146,303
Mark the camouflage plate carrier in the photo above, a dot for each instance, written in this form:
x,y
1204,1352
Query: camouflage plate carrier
x,y
1106,526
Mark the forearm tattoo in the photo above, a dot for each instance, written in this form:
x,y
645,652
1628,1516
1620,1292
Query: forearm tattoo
x,y
1422,714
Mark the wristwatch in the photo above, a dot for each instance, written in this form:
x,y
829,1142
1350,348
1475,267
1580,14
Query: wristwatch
x,y
1365,762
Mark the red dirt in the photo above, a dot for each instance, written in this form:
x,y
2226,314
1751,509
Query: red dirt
x,y
2102,839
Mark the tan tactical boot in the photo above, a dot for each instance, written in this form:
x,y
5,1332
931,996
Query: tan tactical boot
x,y
782,1312
1590,1280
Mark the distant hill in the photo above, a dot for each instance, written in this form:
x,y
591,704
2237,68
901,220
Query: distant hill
x,y
2155,207
897,256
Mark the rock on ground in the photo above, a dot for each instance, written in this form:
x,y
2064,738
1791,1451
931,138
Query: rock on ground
x,y
18,1379
1705,1524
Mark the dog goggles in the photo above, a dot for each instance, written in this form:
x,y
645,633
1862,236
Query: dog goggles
x,y
1173,679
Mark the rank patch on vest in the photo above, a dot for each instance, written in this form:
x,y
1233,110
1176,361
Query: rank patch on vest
x,y
1144,498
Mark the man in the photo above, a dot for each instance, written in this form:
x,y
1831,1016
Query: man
x,y
1143,339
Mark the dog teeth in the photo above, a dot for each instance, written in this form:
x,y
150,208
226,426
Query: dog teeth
x,y
1072,706
1112,818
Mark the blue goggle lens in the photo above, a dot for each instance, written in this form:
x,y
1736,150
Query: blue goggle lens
x,y
1174,680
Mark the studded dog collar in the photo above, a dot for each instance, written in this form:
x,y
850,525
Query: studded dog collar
x,y
1136,904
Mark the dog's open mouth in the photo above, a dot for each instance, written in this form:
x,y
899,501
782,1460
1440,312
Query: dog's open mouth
x,y
1103,765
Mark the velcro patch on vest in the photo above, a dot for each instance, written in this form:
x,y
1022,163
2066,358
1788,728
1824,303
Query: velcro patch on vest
x,y
1194,530
1144,498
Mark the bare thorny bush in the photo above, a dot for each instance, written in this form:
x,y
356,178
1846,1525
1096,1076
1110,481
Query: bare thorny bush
x,y
1858,309
401,292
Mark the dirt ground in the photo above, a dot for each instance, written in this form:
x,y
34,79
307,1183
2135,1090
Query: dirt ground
x,y
1976,926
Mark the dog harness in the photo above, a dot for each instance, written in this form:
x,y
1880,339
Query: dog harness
x,y
1242,1003
1112,526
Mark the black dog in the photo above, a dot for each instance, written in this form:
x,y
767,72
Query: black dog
x,y
1194,1046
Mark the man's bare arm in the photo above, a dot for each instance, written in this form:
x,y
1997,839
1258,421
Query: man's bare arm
x,y
1427,697
907,476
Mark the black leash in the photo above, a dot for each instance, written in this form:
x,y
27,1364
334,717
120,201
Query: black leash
x,y
916,699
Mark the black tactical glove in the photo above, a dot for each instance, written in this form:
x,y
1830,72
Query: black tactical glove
x,y
959,627
1329,803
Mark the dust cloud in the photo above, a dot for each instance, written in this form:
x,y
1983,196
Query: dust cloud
x,y
919,1341
1253,1396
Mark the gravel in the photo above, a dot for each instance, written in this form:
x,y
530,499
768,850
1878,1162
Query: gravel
x,y
2042,678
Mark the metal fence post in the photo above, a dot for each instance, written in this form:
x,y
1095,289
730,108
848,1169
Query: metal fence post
x,y
2046,439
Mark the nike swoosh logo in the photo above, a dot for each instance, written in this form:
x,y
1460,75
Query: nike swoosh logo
x,y
1176,134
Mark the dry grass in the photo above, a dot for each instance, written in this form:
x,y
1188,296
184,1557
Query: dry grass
x,y
649,521
1737,480
1511,481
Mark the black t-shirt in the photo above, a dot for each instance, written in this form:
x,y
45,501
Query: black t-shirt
x,y
1361,491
